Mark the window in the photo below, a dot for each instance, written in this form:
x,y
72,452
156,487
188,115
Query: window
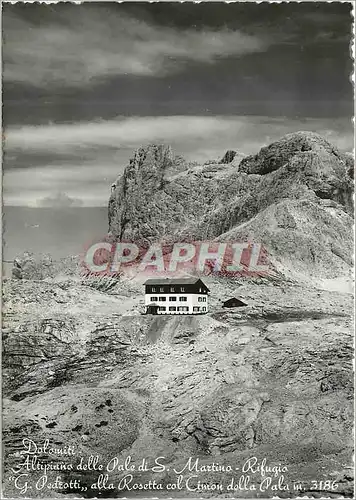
x,y
162,299
183,308
172,308
153,289
153,299
183,299
200,290
201,299
172,289
182,289
162,308
172,299
204,308
161,289
196,308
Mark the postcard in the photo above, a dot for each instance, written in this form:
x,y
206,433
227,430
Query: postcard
x,y
177,269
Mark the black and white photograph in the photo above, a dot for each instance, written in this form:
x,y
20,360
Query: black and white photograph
x,y
177,250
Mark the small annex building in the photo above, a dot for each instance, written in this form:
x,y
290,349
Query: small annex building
x,y
233,302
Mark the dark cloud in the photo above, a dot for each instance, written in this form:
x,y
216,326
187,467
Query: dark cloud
x,y
60,54
68,62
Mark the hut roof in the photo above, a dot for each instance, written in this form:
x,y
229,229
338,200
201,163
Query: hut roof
x,y
234,300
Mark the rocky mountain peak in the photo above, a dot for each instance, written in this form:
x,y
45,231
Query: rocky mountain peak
x,y
228,156
158,155
158,198
279,153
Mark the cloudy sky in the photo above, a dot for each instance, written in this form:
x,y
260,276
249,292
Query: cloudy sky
x,y
84,85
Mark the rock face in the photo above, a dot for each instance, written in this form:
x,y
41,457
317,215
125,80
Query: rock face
x,y
302,172
142,179
228,156
42,266
322,168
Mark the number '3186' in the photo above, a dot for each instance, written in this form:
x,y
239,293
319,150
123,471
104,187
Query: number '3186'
x,y
324,485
